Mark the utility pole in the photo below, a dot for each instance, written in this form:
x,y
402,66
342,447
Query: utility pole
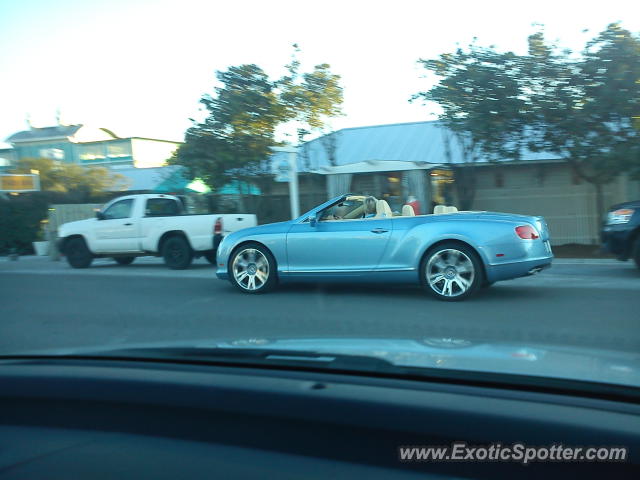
x,y
292,177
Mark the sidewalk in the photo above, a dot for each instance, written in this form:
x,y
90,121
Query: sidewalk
x,y
587,261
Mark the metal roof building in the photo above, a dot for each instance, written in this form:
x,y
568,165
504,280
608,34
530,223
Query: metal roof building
x,y
422,143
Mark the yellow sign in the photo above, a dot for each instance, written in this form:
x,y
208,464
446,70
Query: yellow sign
x,y
19,182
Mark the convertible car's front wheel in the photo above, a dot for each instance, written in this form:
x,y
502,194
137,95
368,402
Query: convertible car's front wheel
x,y
253,269
451,272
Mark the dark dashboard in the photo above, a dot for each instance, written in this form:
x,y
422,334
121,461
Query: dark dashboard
x,y
130,419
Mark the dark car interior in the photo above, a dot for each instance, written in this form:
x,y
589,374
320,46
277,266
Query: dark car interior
x,y
118,418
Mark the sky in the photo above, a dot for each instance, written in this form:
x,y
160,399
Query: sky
x,y
139,67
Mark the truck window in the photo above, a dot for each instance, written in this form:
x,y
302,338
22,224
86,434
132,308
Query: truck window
x,y
162,207
121,209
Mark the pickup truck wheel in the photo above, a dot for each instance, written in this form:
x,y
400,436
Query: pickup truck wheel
x,y
451,272
124,260
253,269
636,251
77,253
177,253
211,257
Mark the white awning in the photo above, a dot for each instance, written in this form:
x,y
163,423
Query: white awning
x,y
370,166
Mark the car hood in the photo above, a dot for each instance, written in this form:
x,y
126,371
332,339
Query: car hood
x,y
575,363
77,225
633,204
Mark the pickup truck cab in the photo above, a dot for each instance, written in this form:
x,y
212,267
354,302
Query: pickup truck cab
x,y
621,231
139,225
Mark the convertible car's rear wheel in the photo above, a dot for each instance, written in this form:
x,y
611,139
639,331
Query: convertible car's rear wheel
x,y
451,272
253,269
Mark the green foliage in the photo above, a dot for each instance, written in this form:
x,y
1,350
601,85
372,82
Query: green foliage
x,y
584,109
235,138
310,98
82,182
20,221
481,98
233,142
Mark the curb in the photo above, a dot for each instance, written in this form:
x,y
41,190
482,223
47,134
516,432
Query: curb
x,y
587,261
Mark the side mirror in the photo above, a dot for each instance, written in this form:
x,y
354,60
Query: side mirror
x,y
313,220
100,215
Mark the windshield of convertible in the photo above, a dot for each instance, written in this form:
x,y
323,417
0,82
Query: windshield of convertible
x,y
444,187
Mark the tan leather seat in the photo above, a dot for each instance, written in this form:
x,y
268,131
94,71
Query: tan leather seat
x,y
407,211
439,209
383,210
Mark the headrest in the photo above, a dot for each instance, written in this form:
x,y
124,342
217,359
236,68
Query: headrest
x,y
438,209
383,209
407,211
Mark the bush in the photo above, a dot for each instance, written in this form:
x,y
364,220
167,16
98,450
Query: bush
x,y
21,217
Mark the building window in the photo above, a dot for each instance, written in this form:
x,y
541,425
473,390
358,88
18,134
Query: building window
x,y
91,153
118,150
442,184
392,190
52,153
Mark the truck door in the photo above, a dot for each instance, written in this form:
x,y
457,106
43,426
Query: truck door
x,y
118,231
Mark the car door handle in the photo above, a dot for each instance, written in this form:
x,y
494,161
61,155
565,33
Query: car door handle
x,y
128,224
379,230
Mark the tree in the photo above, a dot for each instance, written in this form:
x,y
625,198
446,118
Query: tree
x,y
310,98
233,142
482,103
79,181
583,109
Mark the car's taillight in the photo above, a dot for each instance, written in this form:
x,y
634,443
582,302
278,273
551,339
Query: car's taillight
x,y
527,232
217,227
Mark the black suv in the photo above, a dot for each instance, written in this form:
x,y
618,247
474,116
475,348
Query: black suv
x,y
621,231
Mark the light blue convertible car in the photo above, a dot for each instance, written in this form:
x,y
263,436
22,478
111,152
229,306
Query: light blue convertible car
x,y
357,238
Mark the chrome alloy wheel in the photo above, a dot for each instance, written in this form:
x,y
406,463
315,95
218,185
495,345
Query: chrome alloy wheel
x,y
250,269
450,272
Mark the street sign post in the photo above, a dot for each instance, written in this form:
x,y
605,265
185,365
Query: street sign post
x,y
19,182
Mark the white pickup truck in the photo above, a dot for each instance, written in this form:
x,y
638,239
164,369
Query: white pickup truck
x,y
138,225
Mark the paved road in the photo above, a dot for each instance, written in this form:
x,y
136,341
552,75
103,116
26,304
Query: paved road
x,y
45,304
